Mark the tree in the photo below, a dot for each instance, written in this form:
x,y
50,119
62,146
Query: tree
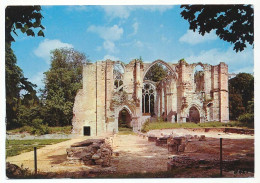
x,y
242,84
156,73
233,23
236,107
62,82
15,83
25,18
241,95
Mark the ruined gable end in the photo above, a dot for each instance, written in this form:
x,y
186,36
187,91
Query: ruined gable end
x,y
117,94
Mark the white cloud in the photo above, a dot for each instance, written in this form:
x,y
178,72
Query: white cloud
x,y
134,42
195,38
109,46
99,48
160,8
46,46
135,27
38,80
107,33
110,57
77,8
164,39
139,44
117,11
237,62
124,12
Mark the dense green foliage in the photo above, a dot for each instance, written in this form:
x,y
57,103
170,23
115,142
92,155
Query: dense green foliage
x,y
25,18
241,95
62,82
20,93
15,147
247,118
233,23
21,99
156,73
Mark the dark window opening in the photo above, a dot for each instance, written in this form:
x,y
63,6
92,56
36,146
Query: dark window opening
x,y
86,130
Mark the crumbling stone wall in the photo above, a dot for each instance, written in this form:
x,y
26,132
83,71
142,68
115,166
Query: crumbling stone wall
x,y
98,104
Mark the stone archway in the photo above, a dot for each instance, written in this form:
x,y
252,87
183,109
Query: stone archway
x,y
194,115
130,118
173,72
124,119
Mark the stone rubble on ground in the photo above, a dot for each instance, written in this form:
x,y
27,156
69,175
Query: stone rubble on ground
x,y
90,152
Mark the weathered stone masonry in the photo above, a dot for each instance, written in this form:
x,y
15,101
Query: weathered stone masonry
x,y
107,91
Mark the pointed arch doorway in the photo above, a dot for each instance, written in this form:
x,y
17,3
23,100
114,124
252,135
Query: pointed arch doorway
x,y
124,119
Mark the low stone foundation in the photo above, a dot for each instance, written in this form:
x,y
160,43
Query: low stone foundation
x,y
152,138
90,152
239,164
162,141
179,144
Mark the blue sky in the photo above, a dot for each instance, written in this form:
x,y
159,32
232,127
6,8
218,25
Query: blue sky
x,y
124,33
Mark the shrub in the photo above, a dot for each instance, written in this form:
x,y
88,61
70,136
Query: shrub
x,y
39,128
25,129
247,118
145,127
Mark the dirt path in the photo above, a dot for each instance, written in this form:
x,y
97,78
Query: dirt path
x,y
136,154
49,158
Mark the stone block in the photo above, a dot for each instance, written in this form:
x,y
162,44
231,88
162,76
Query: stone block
x,y
181,148
170,166
161,141
99,161
89,162
152,139
96,156
172,147
202,138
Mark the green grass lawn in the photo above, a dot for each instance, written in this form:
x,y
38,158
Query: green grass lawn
x,y
167,125
15,147
125,131
59,130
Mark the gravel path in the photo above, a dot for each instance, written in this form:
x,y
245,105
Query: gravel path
x,y
136,154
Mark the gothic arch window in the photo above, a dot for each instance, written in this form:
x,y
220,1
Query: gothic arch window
x,y
118,76
157,72
148,97
199,78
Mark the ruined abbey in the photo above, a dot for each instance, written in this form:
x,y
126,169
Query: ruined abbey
x,y
115,93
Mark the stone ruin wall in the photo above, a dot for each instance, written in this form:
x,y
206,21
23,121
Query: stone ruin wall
x,y
98,103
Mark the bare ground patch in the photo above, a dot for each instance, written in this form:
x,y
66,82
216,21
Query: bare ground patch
x,y
134,154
